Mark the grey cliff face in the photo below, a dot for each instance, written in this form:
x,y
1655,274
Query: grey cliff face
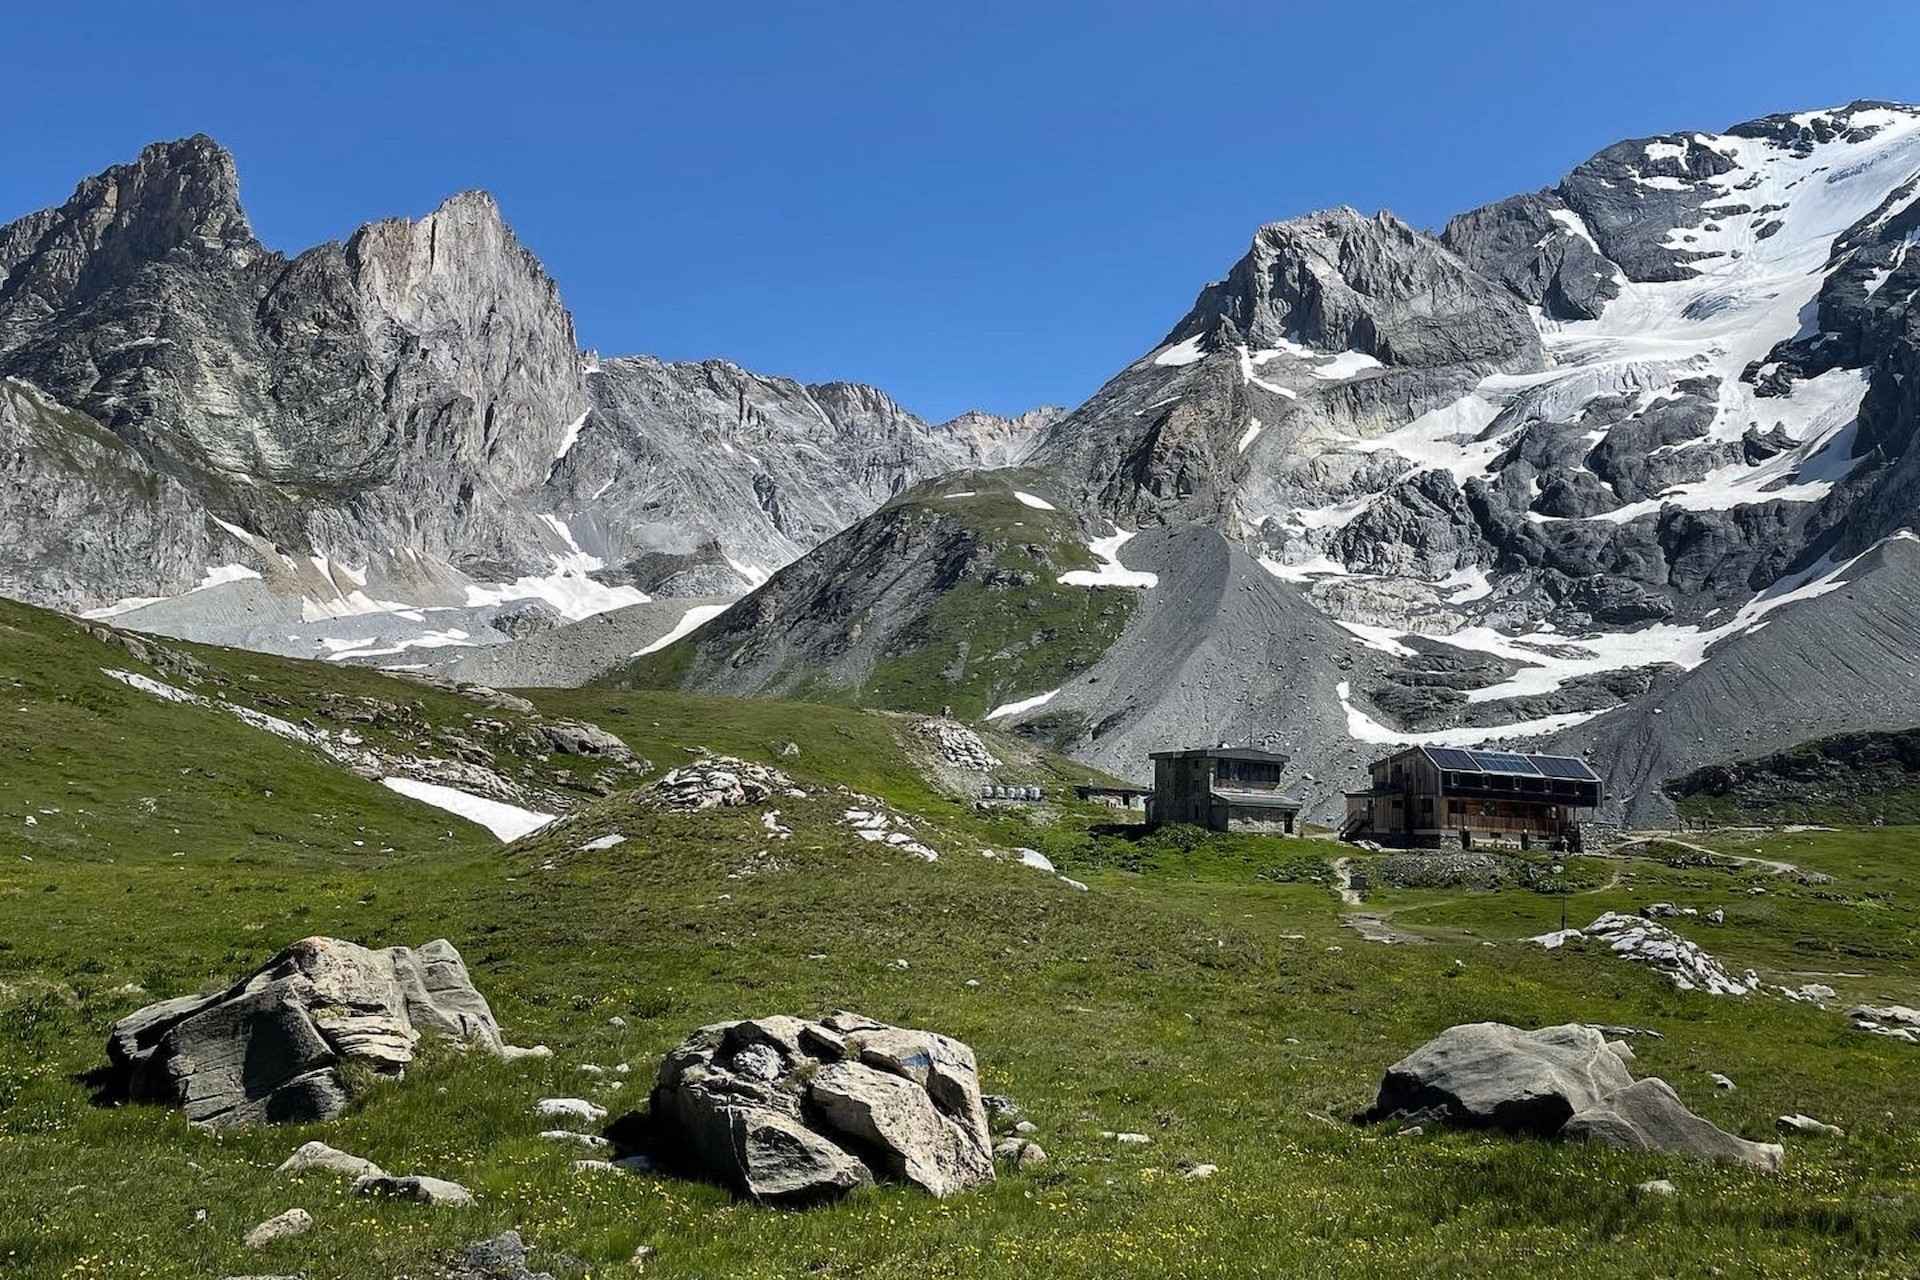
x,y
1330,322
353,400
1338,281
398,414
1538,248
676,455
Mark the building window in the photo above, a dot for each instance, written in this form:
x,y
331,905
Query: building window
x,y
1257,773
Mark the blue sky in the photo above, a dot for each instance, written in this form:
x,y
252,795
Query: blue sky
x,y
985,204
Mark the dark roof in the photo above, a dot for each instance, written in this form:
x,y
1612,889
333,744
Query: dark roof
x,y
1100,789
1510,764
1259,799
1220,753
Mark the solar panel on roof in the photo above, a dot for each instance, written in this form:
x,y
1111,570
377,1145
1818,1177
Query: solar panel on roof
x,y
1507,762
1566,767
1453,758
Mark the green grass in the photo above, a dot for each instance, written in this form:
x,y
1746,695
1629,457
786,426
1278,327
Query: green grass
x,y
1203,992
978,647
1007,630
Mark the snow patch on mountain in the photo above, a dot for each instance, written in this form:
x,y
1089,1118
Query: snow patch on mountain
x,y
1362,727
1111,572
690,621
1023,705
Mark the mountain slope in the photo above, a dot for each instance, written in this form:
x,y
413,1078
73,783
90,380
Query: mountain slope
x,y
1580,453
966,592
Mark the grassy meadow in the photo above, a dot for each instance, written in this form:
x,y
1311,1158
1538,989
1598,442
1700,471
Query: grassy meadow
x,y
1202,991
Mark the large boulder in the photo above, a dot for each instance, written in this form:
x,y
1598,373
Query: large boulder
x,y
1567,1081
270,1048
793,1112
1649,1116
1490,1075
578,738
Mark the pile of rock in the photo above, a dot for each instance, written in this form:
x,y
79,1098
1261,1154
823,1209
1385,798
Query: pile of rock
x,y
270,1048
715,782
1691,968
878,825
1893,1020
1565,1081
793,1112
960,747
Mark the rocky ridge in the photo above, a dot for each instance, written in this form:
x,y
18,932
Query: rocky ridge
x,y
401,420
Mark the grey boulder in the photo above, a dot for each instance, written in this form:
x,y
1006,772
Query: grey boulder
x,y
1490,1075
503,1257
1023,1153
318,1155
1797,1123
270,1048
578,738
429,1191
1564,1081
793,1112
282,1226
1649,1116
897,1118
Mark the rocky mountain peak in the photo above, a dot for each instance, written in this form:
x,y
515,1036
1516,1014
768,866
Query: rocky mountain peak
x,y
179,200
991,440
851,403
1338,280
464,247
1802,131
185,188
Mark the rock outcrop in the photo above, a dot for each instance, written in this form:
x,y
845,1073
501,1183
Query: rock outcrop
x,y
271,1048
1687,964
793,1112
718,782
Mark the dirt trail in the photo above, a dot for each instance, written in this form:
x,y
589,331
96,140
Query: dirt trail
x,y
1369,925
1774,865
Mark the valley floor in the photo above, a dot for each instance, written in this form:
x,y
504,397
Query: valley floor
x,y
1202,991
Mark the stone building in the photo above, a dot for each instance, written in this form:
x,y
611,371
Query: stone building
x,y
1221,788
1113,797
1435,797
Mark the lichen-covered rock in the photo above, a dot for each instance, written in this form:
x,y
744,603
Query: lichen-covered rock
x,y
1895,1021
282,1226
795,1112
1490,1075
270,1048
